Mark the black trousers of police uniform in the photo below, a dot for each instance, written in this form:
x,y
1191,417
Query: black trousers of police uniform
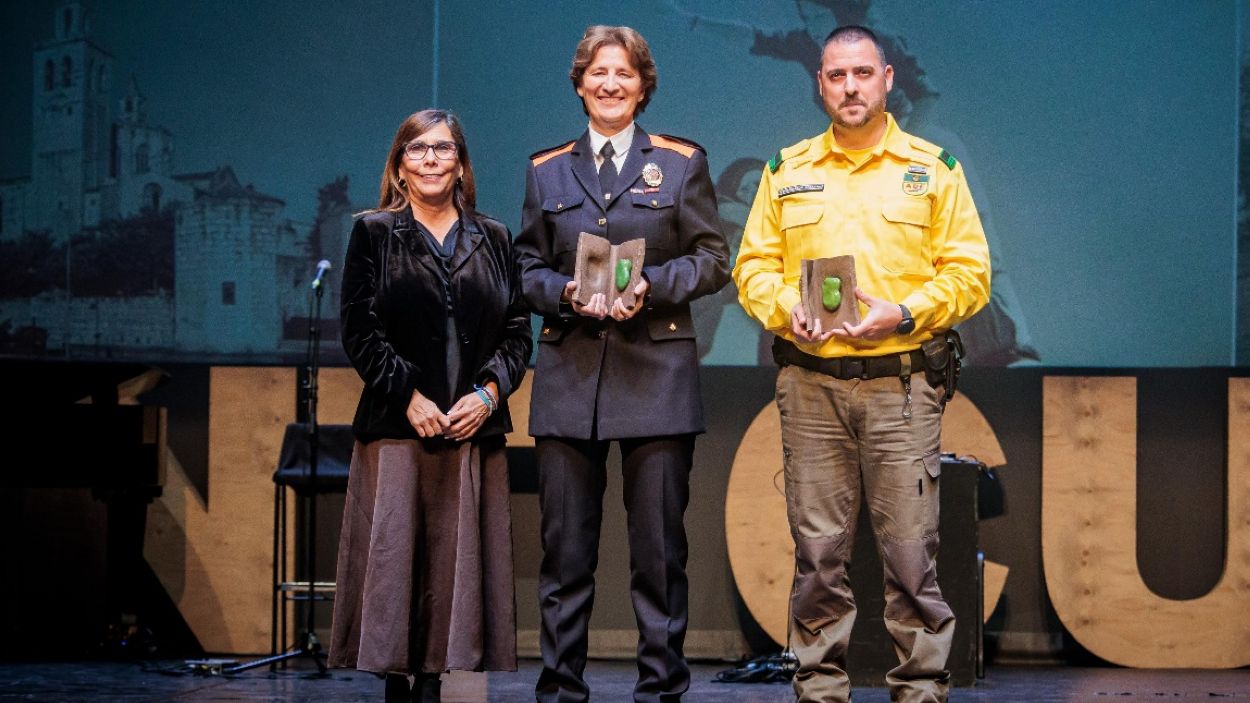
x,y
656,480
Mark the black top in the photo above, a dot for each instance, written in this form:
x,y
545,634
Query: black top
x,y
448,245
445,250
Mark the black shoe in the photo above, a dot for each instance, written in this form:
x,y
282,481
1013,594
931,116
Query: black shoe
x,y
427,689
397,689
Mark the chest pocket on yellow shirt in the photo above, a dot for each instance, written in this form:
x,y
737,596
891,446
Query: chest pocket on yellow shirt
x,y
799,220
905,247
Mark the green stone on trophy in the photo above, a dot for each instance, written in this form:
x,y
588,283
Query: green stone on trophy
x,y
624,270
830,293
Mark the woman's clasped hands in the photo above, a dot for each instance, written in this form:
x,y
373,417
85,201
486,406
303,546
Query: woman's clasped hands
x,y
460,423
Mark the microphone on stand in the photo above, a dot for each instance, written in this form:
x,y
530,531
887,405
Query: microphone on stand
x,y
322,267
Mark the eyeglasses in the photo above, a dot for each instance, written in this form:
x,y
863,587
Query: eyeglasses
x,y
442,150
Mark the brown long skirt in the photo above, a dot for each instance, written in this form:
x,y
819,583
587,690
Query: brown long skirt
x,y
425,560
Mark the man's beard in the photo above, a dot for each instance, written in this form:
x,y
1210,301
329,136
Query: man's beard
x,y
873,111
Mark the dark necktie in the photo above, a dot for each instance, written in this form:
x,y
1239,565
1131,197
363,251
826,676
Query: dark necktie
x,y
607,172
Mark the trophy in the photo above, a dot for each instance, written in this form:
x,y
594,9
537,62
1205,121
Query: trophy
x,y
828,290
611,269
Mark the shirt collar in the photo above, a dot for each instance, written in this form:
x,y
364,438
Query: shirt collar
x,y
894,141
621,141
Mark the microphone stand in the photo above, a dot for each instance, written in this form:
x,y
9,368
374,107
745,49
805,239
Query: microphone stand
x,y
309,645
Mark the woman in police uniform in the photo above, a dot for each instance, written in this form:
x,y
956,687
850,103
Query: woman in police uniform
x,y
605,373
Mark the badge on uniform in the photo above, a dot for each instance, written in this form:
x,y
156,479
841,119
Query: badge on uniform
x,y
915,183
800,188
652,175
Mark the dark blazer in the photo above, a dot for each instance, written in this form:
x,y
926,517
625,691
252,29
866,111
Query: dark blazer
x,y
643,373
394,319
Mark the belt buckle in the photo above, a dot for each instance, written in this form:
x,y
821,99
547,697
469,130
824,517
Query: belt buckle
x,y
853,367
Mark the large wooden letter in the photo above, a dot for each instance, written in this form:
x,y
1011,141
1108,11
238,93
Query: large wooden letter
x,y
1089,534
214,557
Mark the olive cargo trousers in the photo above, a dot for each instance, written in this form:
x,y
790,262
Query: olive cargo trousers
x,y
840,437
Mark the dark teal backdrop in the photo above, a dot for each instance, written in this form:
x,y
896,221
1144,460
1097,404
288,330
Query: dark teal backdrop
x,y
1101,140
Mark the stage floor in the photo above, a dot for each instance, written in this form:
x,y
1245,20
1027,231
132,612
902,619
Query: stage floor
x,y
610,681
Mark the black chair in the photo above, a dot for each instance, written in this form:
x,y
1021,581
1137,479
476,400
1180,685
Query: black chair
x,y
333,458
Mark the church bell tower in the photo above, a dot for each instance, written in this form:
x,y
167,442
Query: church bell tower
x,y
71,141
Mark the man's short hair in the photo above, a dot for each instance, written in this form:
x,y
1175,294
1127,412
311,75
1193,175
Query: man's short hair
x,y
853,33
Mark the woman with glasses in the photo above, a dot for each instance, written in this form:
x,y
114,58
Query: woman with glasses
x,y
625,371
434,322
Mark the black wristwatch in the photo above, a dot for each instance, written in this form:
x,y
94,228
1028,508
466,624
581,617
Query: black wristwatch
x,y
907,325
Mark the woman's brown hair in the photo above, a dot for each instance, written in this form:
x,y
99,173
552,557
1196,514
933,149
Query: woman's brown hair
x,y
600,35
394,195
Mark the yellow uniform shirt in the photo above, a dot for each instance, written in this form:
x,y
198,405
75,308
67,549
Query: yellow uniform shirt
x,y
906,216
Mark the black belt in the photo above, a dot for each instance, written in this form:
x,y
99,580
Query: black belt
x,y
846,367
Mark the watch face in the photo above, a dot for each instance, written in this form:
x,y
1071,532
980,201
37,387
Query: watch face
x,y
907,324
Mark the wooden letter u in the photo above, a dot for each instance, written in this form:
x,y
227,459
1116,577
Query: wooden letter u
x,y
1089,533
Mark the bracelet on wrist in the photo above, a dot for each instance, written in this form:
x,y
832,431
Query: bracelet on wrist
x,y
486,397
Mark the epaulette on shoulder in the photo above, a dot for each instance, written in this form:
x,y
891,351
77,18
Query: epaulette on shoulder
x,y
681,145
785,153
542,155
934,150
775,162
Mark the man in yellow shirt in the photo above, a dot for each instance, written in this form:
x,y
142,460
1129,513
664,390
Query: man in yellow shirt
x,y
856,408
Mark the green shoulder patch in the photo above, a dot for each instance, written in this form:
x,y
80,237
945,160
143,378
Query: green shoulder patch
x,y
946,158
775,162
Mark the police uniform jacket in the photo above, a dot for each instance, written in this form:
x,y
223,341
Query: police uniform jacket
x,y
639,378
394,319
